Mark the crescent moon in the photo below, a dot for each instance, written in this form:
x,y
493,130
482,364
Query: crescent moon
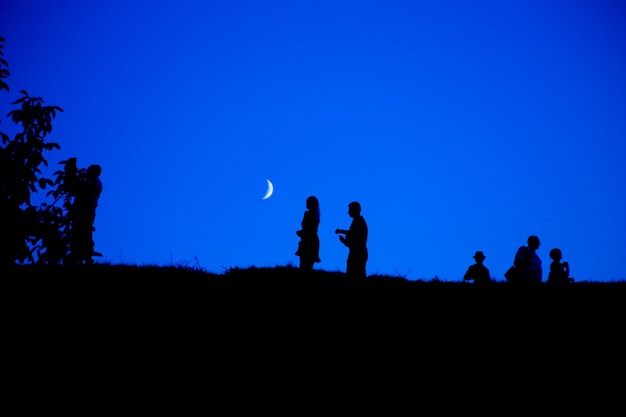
x,y
270,190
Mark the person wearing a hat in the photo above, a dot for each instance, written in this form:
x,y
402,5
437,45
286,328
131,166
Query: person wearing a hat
x,y
478,272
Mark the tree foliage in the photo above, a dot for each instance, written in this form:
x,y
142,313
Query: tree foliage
x,y
32,233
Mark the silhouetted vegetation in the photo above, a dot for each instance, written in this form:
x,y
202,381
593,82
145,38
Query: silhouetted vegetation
x,y
33,233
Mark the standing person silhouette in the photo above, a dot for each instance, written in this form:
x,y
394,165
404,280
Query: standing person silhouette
x,y
478,272
559,271
309,245
83,214
528,262
355,239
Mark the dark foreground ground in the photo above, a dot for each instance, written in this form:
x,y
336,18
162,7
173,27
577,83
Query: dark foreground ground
x,y
268,338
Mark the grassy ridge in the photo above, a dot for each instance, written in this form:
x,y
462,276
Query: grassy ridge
x,y
265,289
283,301
254,328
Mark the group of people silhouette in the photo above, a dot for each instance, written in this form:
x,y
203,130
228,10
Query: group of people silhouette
x,y
526,269
354,238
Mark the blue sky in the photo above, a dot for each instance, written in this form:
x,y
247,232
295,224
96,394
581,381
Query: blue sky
x,y
459,126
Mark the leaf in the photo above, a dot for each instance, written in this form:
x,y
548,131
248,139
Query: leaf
x,y
51,145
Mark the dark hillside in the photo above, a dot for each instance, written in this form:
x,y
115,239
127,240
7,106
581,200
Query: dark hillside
x,y
156,323
283,300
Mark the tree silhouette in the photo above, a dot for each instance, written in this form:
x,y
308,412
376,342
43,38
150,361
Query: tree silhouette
x,y
32,233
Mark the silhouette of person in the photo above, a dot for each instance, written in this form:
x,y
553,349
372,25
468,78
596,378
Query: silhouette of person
x,y
559,271
528,263
82,215
309,245
355,239
478,272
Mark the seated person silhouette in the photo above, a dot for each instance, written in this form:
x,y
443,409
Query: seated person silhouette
x,y
478,272
559,271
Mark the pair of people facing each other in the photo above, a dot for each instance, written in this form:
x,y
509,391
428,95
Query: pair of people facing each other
x,y
527,267
354,238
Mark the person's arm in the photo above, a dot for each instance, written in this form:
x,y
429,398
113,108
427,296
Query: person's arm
x,y
341,232
468,276
303,224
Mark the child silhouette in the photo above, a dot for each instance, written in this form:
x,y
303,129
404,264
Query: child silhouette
x,y
559,271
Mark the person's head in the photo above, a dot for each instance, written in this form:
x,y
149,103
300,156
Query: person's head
x,y
94,171
533,242
555,254
313,205
354,209
479,256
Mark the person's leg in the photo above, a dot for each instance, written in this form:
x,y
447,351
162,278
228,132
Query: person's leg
x,y
355,266
306,264
360,272
81,243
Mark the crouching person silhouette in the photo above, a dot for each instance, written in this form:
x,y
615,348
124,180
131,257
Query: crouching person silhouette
x,y
355,239
82,215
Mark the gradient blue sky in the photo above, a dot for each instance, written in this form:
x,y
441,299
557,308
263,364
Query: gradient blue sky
x,y
458,125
